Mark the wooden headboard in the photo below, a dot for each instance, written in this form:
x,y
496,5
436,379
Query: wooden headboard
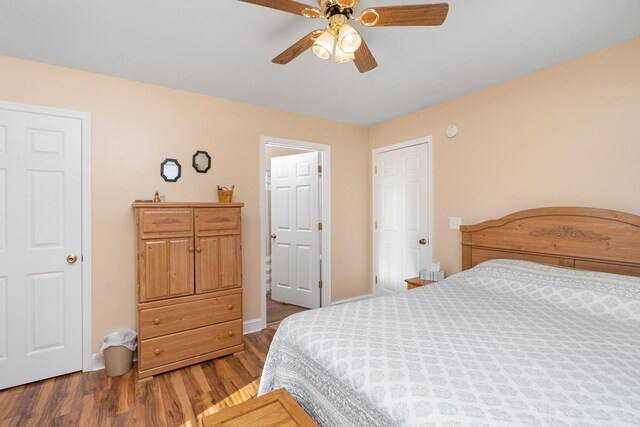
x,y
585,238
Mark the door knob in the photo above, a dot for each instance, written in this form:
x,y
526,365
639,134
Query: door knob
x,y
72,259
273,236
422,241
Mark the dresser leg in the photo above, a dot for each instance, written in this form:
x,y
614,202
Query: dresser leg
x,y
238,353
145,380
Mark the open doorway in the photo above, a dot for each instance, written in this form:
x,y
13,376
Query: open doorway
x,y
295,206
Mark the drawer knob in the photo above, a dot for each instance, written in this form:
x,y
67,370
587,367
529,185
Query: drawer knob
x,y
230,333
190,248
156,321
199,249
230,307
157,352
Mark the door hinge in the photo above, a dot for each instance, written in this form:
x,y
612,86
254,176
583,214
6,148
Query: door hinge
x,y
320,284
319,168
320,226
376,224
137,221
375,170
376,280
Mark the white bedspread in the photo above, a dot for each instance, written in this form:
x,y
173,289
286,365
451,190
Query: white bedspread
x,y
505,343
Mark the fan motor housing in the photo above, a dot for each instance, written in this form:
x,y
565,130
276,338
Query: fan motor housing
x,y
330,7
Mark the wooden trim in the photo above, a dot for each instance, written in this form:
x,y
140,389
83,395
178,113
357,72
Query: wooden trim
x,y
576,237
556,211
186,205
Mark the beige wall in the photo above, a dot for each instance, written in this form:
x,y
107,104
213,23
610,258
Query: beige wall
x,y
567,135
136,126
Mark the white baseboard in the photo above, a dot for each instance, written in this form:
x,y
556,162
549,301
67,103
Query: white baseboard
x,y
352,299
97,362
251,326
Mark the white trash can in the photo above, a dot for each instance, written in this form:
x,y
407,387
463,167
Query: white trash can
x,y
118,349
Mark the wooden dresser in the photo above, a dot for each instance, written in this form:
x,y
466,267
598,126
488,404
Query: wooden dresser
x,y
189,283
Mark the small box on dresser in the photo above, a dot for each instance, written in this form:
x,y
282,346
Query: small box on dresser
x,y
189,283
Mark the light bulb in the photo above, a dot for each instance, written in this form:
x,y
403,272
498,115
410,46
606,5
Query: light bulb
x,y
342,56
323,45
349,39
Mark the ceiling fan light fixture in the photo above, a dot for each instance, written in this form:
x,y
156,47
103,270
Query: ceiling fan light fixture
x,y
323,46
349,40
342,56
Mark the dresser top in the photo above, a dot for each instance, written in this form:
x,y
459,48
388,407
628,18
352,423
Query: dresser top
x,y
186,205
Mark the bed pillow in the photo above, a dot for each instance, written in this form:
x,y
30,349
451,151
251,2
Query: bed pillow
x,y
610,295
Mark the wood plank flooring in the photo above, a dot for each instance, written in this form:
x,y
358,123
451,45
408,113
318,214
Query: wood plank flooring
x,y
278,311
179,398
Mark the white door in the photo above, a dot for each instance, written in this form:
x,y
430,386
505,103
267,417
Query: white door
x,y
40,226
401,216
295,238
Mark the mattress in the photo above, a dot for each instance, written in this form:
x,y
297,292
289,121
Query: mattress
x,y
505,343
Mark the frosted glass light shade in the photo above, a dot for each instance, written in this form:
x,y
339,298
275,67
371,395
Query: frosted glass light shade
x,y
349,39
323,46
342,56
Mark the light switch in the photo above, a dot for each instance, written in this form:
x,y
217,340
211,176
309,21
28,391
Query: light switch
x,y
454,222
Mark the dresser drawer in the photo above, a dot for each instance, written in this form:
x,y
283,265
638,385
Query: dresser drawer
x,y
160,351
217,220
157,222
189,315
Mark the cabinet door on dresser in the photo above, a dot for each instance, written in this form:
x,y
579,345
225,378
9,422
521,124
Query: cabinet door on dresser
x,y
230,261
166,268
218,263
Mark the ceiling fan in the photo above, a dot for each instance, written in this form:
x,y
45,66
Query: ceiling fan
x,y
342,38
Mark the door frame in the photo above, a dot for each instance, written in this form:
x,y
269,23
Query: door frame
x,y
325,234
85,254
428,140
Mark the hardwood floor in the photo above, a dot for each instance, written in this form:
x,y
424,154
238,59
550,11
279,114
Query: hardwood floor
x,y
278,311
179,398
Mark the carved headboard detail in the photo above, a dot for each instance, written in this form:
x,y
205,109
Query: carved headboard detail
x,y
585,238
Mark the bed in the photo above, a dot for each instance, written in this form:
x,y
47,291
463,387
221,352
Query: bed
x,y
508,341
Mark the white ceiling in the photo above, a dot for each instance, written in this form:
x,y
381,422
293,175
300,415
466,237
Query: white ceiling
x,y
224,48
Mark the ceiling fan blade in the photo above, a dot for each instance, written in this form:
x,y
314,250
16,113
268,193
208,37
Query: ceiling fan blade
x,y
297,48
419,14
364,59
284,5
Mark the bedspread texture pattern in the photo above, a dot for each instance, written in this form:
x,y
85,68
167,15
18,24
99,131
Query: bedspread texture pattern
x,y
505,343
